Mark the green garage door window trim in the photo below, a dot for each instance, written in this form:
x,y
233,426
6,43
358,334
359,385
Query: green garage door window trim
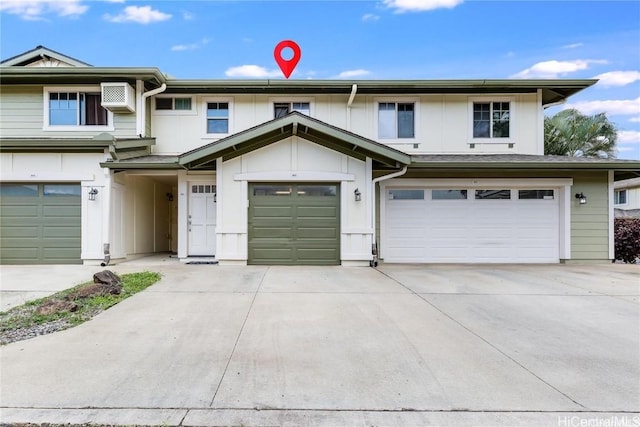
x,y
294,224
40,223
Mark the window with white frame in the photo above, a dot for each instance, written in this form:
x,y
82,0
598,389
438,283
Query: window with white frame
x,y
620,197
281,109
178,103
218,117
396,120
491,119
76,108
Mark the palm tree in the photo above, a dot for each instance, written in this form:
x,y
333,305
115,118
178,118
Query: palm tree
x,y
571,133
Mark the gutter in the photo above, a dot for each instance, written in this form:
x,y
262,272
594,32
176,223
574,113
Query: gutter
x,y
354,89
374,243
141,118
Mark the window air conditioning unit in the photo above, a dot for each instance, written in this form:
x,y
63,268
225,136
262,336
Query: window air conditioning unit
x,y
118,97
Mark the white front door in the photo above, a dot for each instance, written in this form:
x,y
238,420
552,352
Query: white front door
x,y
202,219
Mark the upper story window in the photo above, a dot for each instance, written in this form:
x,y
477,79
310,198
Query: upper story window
x,y
217,117
396,120
620,197
174,103
281,109
491,119
76,109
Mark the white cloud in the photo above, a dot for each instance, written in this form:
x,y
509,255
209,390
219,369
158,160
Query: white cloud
x,y
622,107
572,45
635,119
349,74
401,6
554,69
251,71
191,46
629,137
618,78
370,17
139,15
35,10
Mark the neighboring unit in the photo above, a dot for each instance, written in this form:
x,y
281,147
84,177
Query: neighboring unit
x,y
626,197
101,164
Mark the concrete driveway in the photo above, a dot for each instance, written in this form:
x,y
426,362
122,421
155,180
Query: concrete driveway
x,y
398,345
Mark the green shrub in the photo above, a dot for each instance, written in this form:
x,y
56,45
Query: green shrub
x,y
627,239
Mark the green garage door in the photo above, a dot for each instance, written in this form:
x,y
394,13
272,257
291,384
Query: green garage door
x,y
39,223
294,224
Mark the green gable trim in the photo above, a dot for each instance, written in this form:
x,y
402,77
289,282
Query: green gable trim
x,y
44,145
144,162
290,125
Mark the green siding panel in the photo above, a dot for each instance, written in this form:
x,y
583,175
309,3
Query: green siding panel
x,y
294,229
590,222
40,230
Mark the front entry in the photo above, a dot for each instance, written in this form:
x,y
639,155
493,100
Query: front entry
x,y
294,224
202,219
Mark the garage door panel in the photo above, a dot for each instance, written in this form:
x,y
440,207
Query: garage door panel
x,y
40,229
471,230
58,254
313,256
283,232
330,233
19,255
271,255
59,211
18,232
60,232
316,212
18,211
301,227
283,212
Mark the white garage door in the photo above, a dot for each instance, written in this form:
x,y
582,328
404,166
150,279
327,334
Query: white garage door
x,y
505,225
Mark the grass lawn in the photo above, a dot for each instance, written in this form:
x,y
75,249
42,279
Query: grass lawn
x,y
25,322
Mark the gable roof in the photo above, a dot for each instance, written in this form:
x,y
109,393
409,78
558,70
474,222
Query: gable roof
x,y
627,183
40,53
292,124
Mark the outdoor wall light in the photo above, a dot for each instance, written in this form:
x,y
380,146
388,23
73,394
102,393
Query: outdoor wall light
x,y
92,193
582,198
358,195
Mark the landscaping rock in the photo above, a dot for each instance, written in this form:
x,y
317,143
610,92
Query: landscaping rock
x,y
105,283
56,306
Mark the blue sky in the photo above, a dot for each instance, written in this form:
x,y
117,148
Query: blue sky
x,y
363,39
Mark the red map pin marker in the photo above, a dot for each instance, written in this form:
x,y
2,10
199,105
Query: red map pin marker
x,y
287,65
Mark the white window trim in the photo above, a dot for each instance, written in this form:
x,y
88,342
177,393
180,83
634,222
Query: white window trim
x,y
626,196
66,128
416,122
512,116
290,100
206,135
192,112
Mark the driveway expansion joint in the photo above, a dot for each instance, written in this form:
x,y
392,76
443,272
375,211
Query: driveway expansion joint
x,y
235,344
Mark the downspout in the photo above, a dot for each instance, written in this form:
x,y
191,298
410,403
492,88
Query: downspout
x,y
354,89
374,243
142,107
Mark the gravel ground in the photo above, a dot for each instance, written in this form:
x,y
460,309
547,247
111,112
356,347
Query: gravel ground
x,y
7,337
20,334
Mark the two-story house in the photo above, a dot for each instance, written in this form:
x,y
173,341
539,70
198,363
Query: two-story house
x,y
626,197
103,164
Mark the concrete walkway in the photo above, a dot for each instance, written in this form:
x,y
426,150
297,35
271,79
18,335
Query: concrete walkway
x,y
397,345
